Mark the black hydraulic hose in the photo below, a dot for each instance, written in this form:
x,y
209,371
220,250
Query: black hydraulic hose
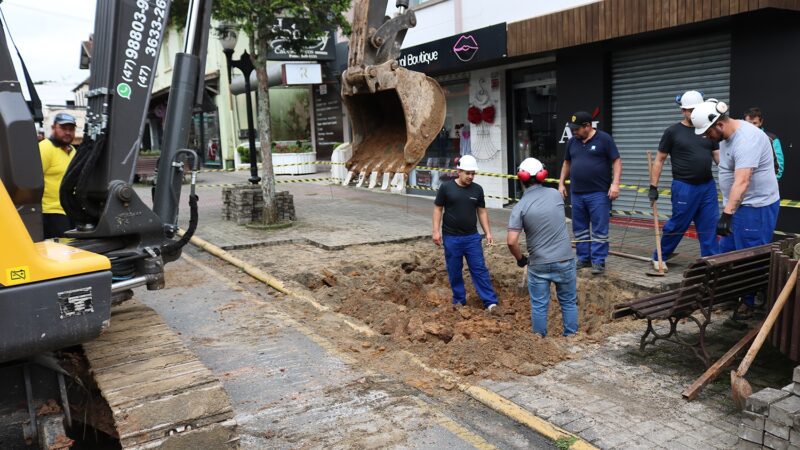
x,y
193,220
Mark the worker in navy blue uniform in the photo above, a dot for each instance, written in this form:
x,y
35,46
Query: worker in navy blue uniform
x,y
461,203
589,161
694,191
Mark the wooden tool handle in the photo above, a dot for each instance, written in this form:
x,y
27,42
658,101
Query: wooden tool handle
x,y
655,217
768,322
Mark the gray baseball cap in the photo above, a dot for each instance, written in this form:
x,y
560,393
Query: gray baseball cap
x,y
63,118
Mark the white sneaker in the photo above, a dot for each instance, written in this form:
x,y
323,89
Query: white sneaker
x,y
663,265
492,309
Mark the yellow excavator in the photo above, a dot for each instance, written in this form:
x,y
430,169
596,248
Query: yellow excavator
x,y
55,296
69,331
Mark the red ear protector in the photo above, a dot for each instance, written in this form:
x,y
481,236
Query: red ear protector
x,y
540,176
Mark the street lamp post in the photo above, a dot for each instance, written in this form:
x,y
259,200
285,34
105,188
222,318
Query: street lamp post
x,y
227,37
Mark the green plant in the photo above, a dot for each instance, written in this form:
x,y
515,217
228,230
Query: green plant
x,y
292,147
565,442
150,152
244,154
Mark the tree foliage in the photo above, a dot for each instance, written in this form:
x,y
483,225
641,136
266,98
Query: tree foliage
x,y
258,19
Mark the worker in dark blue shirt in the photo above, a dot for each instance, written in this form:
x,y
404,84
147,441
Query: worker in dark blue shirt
x,y
589,161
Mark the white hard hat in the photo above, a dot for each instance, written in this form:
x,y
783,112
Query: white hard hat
x,y
531,165
706,114
690,99
468,163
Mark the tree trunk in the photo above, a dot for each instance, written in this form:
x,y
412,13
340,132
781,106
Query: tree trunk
x,y
265,134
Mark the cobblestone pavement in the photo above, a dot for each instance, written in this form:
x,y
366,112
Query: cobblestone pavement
x,y
612,395
333,216
617,397
291,388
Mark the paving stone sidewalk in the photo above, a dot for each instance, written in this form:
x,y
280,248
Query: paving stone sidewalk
x,y
333,216
613,395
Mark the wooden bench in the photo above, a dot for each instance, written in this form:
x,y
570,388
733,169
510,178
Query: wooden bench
x,y
708,283
145,168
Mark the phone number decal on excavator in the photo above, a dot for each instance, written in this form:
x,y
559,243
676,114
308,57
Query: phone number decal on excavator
x,y
140,34
17,275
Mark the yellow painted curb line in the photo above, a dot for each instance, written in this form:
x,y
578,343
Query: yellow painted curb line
x,y
491,399
505,406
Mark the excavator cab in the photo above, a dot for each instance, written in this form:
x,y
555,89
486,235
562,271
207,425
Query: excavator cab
x,y
395,113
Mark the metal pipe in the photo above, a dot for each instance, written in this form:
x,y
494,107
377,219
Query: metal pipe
x,y
192,21
128,284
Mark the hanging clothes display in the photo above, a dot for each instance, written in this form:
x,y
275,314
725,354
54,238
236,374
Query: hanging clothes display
x,y
464,142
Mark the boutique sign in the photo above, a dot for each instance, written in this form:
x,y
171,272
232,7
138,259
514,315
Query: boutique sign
x,y
462,51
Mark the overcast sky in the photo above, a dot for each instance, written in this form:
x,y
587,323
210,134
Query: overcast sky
x,y
48,34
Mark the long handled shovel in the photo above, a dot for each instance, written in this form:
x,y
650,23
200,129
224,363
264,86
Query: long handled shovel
x,y
660,272
739,386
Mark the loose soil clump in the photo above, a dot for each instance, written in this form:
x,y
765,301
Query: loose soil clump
x,y
402,292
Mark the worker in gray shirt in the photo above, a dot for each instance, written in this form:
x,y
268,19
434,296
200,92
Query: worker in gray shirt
x,y
540,213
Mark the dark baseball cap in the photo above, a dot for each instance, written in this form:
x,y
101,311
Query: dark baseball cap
x,y
63,118
580,119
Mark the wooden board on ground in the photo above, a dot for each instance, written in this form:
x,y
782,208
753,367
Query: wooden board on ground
x,y
160,394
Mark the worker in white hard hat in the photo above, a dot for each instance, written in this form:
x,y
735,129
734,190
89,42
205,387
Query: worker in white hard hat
x,y
694,191
747,179
461,204
550,260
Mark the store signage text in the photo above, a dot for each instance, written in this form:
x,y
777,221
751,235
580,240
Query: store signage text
x,y
458,52
422,57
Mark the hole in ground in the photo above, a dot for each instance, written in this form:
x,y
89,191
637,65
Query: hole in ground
x,y
408,299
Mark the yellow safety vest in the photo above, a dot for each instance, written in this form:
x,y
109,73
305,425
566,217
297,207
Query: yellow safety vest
x,y
54,164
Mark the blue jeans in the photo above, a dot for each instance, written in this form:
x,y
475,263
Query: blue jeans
x,y
456,248
594,208
751,227
563,274
692,203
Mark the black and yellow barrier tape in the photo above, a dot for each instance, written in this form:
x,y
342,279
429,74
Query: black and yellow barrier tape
x,y
631,187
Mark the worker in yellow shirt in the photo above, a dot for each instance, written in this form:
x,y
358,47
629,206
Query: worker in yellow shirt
x,y
56,152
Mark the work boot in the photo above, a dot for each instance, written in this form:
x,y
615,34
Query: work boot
x,y
598,268
582,264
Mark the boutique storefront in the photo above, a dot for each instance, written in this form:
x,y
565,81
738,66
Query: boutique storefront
x,y
475,122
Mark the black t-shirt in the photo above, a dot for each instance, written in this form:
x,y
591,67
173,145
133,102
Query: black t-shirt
x,y
460,207
690,154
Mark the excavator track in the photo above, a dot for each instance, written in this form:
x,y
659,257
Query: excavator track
x,y
159,393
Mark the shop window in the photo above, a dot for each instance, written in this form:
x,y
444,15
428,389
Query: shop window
x,y
449,143
535,127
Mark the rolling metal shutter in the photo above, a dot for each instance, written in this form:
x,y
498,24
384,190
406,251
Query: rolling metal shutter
x,y
645,82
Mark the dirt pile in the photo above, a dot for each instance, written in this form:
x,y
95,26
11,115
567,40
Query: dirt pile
x,y
402,292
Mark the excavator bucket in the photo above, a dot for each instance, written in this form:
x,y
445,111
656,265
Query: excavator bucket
x,y
395,113
393,126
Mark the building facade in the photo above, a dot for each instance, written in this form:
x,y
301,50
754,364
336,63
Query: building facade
x,y
622,61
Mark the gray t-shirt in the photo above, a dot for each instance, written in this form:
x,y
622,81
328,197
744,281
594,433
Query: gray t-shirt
x,y
540,212
749,147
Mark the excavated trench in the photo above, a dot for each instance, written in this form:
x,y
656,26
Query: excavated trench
x,y
401,291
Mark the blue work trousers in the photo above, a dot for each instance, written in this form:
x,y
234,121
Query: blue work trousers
x,y
456,248
594,208
563,274
752,226
692,203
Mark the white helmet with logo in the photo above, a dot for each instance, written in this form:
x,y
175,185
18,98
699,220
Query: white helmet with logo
x,y
707,114
468,163
690,99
